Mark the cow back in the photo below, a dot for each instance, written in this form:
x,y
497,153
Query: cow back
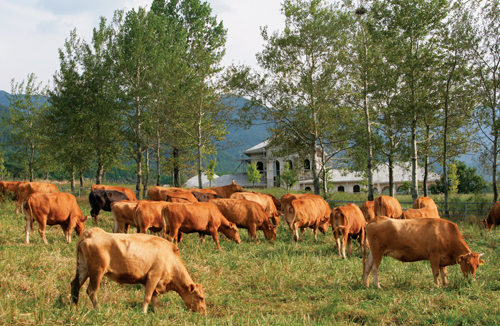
x,y
368,209
388,206
423,202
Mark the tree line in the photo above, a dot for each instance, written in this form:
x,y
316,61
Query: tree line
x,y
383,82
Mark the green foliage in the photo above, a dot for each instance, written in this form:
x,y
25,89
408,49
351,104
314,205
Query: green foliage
x,y
253,174
210,171
453,177
469,182
289,176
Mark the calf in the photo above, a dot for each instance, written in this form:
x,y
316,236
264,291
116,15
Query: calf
x,y
148,216
387,206
493,218
436,240
204,218
53,209
9,189
124,216
134,259
426,212
102,199
24,189
265,201
349,221
248,215
368,209
423,202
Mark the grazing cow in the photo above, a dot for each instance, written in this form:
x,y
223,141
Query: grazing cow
x,y
305,212
134,259
436,240
425,212
248,215
493,218
368,209
148,216
388,206
9,189
102,199
204,197
127,191
204,218
181,197
423,202
160,193
264,200
52,209
123,215
322,205
350,222
276,201
24,189
224,191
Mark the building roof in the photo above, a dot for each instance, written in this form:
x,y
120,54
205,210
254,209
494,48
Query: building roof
x,y
259,148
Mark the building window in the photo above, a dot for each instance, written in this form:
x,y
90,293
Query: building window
x,y
307,164
356,189
260,166
276,168
340,189
308,189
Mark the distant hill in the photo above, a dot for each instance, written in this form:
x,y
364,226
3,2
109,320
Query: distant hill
x,y
3,99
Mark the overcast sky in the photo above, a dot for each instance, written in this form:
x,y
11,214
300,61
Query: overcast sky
x,y
32,31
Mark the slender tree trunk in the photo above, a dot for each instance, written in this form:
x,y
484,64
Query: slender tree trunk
x,y
146,181
495,161
391,176
138,153
73,181
200,146
325,174
414,160
314,172
426,161
32,157
158,176
81,179
445,160
177,170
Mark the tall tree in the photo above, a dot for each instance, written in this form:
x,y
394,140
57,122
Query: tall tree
x,y
27,104
298,89
486,60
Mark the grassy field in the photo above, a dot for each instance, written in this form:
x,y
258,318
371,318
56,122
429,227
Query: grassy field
x,y
278,283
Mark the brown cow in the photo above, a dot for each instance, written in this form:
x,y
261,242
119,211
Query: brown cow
x,y
204,197
224,191
181,197
248,215
422,202
322,205
160,193
148,216
265,201
493,218
52,209
276,201
134,259
9,189
368,209
27,188
388,206
305,212
426,212
124,215
350,222
436,240
204,218
127,191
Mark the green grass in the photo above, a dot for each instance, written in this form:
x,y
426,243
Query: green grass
x,y
278,283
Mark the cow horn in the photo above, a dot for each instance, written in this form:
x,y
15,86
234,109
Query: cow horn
x,y
480,255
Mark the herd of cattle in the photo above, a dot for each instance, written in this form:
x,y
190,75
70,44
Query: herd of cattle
x,y
380,226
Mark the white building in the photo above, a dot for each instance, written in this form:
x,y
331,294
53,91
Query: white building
x,y
272,167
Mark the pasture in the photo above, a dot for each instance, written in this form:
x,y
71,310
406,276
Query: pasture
x,y
278,283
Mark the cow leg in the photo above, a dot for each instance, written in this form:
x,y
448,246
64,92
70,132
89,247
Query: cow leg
x,y
95,281
154,301
151,284
339,246
126,228
65,231
201,235
213,231
442,271
173,234
80,279
41,230
252,233
368,268
435,269
348,240
29,226
296,227
375,263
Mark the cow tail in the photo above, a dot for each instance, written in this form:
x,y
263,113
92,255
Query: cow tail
x,y
364,253
75,284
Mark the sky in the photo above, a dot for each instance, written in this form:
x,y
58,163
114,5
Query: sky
x,y
32,31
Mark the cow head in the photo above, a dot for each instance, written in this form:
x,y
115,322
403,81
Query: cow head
x,y
195,298
487,224
469,263
270,232
275,219
231,232
236,187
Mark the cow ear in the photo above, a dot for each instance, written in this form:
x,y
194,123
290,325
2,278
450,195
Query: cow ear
x,y
481,262
192,287
460,258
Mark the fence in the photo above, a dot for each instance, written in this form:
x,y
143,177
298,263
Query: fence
x,y
456,210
